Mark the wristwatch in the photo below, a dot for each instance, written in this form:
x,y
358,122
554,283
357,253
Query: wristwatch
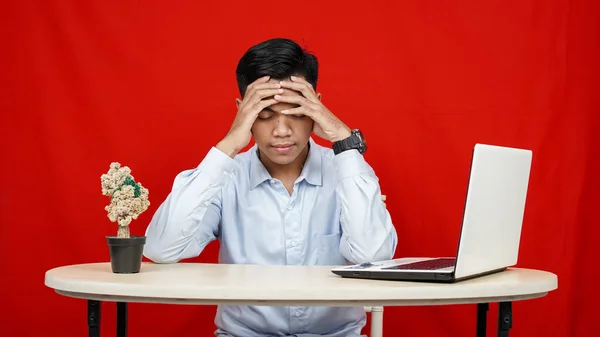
x,y
355,141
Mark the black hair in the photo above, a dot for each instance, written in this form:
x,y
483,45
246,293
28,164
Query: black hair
x,y
279,58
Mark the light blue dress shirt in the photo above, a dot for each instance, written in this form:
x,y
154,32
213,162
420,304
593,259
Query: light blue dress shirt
x,y
334,216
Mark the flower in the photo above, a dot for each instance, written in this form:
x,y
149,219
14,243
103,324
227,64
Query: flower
x,y
129,198
114,178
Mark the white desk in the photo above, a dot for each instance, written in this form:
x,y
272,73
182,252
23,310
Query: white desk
x,y
192,283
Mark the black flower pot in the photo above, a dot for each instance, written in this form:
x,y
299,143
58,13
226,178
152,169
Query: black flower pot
x,y
126,253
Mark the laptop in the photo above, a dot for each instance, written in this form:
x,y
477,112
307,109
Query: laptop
x,y
491,225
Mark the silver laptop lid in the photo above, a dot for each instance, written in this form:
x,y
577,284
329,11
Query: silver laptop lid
x,y
494,209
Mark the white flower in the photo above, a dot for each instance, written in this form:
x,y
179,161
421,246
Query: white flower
x,y
124,204
114,178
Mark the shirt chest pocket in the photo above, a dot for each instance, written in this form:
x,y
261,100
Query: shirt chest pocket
x,y
328,249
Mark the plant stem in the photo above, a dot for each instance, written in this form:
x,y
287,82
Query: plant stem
x,y
123,232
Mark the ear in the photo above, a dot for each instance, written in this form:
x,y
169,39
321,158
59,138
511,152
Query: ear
x,y
319,96
238,102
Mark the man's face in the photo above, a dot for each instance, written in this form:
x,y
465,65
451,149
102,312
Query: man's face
x,y
281,137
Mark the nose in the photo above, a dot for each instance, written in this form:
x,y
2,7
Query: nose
x,y
282,126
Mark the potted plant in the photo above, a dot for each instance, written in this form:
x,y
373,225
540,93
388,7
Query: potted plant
x,y
128,199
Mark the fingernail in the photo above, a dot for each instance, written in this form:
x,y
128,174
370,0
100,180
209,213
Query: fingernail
x,y
284,112
293,78
277,96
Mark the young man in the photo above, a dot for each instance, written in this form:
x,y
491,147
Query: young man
x,y
286,201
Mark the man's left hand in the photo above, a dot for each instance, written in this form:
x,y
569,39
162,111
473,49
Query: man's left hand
x,y
327,125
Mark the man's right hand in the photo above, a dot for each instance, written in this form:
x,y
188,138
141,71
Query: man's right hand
x,y
258,96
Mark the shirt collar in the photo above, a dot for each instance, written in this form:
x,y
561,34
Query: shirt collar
x,y
311,172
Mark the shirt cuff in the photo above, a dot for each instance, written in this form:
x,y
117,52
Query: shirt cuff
x,y
217,165
350,163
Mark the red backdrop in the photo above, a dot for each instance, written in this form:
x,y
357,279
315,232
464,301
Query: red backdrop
x,y
151,84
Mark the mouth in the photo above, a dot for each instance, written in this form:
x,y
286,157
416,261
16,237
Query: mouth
x,y
282,148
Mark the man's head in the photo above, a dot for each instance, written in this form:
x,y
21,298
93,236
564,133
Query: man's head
x,y
281,138
279,58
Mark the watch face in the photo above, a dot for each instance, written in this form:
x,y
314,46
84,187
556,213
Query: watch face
x,y
362,142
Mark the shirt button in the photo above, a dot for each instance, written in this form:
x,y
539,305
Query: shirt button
x,y
293,243
290,208
206,203
272,181
297,314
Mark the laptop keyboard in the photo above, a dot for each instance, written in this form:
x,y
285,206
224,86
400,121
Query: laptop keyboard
x,y
427,264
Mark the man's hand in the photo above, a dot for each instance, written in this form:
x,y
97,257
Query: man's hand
x,y
327,125
256,98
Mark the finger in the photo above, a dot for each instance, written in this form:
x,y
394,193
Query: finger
x,y
299,111
301,80
262,86
258,83
300,100
260,80
264,103
269,85
253,113
304,88
259,95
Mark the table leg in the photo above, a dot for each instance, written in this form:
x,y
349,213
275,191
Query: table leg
x,y
482,309
121,319
504,318
93,318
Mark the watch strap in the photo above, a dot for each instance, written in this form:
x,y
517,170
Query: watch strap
x,y
349,143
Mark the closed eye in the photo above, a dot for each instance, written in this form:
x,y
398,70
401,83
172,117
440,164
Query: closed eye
x,y
268,113
265,114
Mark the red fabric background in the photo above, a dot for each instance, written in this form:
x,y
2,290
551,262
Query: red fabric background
x,y
151,84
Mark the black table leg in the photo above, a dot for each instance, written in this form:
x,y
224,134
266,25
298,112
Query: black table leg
x,y
504,318
482,309
93,318
121,319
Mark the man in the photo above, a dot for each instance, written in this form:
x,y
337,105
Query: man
x,y
286,201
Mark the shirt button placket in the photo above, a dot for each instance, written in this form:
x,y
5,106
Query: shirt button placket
x,y
292,236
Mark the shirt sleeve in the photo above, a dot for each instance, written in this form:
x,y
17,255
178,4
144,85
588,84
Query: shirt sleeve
x,y
190,216
368,233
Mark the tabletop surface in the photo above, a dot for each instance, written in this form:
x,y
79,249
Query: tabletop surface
x,y
238,283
